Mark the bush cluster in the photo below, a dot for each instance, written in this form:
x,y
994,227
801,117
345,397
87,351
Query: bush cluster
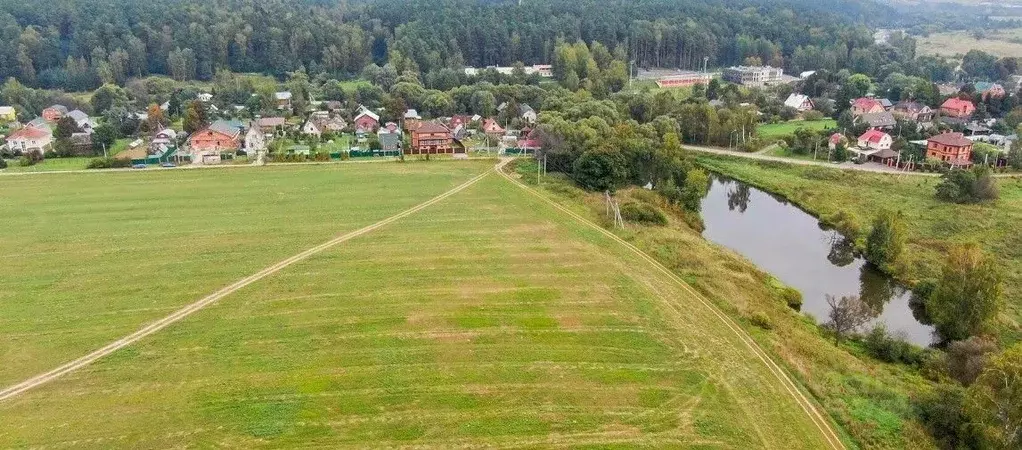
x,y
894,349
108,163
643,213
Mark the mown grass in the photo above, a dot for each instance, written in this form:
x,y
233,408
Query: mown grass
x,y
49,165
90,257
489,319
871,400
776,130
853,198
1003,43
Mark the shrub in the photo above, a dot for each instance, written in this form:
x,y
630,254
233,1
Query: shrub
x,y
944,414
812,115
3,163
893,349
26,161
643,213
966,359
108,163
760,319
792,297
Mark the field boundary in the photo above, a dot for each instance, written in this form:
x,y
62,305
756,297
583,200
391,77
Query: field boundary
x,y
820,420
41,379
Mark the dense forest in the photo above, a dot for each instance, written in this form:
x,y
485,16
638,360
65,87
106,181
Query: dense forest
x,y
80,44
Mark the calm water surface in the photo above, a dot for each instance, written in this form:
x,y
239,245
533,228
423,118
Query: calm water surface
x,y
791,245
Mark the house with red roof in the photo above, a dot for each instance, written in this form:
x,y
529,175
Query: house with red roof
x,y
30,139
952,148
958,108
491,127
866,105
835,140
875,140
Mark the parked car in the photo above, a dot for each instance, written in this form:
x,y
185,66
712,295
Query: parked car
x,y
168,165
138,166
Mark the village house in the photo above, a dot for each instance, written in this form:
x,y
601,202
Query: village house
x,y
282,99
162,141
221,136
883,120
255,139
683,79
875,140
990,90
311,128
953,148
957,108
271,125
8,114
914,111
525,112
367,121
866,105
492,128
431,138
54,113
800,102
390,137
390,127
412,114
84,122
30,139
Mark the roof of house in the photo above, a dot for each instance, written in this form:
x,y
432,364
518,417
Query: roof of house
x,y
61,108
313,123
368,113
866,103
909,106
886,103
78,115
886,153
411,114
879,119
952,139
265,122
957,103
874,136
229,127
169,133
30,133
283,95
836,138
797,100
5,110
983,86
524,108
38,122
431,127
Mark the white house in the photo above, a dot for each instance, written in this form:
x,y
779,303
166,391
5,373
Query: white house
x,y
255,139
204,97
30,139
875,140
312,128
801,102
412,114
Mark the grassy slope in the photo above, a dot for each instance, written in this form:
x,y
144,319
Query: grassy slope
x,y
90,257
933,225
776,130
488,319
870,399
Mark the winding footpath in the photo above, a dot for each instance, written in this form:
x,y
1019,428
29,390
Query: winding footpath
x,y
41,379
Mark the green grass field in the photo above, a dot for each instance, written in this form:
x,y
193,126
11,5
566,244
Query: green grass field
x,y
1003,43
933,225
489,319
49,165
776,130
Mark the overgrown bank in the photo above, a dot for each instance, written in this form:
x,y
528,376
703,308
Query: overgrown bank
x,y
850,200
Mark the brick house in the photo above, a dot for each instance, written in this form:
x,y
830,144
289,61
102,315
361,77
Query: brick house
x,y
431,138
913,111
958,108
212,139
953,148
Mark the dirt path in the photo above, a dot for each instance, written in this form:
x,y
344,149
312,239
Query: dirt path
x,y
41,379
821,420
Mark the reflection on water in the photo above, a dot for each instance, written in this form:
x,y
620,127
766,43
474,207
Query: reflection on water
x,y
791,245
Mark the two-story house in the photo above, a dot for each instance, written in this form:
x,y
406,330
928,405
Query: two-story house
x,y
953,148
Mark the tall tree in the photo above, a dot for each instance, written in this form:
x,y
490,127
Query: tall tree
x,y
968,294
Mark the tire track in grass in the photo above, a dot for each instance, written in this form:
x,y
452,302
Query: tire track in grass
x,y
41,379
821,421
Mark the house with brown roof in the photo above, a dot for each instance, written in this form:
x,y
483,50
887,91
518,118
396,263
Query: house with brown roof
x,y
957,108
54,113
431,138
952,148
492,128
883,120
914,111
270,124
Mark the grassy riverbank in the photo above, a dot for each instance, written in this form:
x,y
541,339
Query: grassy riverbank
x,y
871,400
849,200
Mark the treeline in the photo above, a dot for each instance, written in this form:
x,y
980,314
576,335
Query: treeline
x,y
79,45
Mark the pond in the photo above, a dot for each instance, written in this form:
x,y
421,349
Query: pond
x,y
794,247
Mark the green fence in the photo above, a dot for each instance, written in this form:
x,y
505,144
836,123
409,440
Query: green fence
x,y
368,153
